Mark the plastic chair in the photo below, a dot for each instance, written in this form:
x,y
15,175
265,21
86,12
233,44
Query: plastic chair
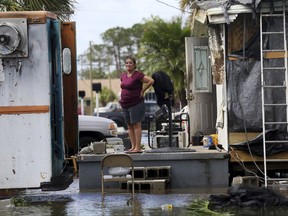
x,y
116,160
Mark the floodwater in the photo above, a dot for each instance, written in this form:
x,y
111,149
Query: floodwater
x,y
73,202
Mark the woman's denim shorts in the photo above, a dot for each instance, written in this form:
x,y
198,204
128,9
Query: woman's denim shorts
x,y
134,114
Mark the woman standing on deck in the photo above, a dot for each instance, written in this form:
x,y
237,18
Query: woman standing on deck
x,y
132,101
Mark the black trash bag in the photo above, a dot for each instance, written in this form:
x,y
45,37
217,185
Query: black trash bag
x,y
248,196
197,138
163,87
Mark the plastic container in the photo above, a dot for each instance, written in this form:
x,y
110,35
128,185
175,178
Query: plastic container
x,y
214,139
118,171
99,147
119,148
207,141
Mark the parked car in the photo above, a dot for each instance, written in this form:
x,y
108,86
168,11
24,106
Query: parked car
x,y
116,116
110,107
94,128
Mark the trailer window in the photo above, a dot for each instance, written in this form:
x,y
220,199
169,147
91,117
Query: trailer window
x,y
202,79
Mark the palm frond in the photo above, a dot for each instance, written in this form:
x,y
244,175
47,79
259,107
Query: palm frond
x,y
201,207
8,5
185,4
63,8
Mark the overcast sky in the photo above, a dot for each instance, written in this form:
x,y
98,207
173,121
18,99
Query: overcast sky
x,y
94,17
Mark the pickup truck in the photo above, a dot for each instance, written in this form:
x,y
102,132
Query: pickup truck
x,y
116,116
93,128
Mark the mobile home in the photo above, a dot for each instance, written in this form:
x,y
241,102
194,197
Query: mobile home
x,y
37,63
237,82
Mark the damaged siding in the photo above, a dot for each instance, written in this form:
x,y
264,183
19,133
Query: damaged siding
x,y
216,45
237,32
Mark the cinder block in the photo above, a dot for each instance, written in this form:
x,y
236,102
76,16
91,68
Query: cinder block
x,y
99,148
149,178
140,185
159,184
246,180
139,173
158,172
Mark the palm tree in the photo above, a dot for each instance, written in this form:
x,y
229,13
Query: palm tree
x,y
63,8
163,48
184,4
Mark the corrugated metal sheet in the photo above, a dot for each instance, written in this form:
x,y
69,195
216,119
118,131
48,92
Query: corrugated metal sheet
x,y
225,12
217,15
207,4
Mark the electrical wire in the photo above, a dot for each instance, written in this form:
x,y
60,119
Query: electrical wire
x,y
183,11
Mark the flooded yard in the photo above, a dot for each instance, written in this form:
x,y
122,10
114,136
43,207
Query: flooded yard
x,y
72,202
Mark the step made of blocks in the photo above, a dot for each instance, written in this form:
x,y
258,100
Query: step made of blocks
x,y
155,172
159,184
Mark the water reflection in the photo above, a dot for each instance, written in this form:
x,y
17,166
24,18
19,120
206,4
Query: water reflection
x,y
72,202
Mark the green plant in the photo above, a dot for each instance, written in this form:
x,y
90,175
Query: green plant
x,y
18,201
201,207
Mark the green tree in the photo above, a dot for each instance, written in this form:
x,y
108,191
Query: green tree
x,y
135,34
163,48
121,42
96,74
116,39
63,8
99,55
185,4
106,95
115,74
157,44
107,58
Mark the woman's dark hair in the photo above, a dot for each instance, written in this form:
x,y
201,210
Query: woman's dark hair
x,y
131,58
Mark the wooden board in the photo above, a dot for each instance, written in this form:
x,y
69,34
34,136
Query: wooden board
x,y
273,55
70,93
241,137
243,156
35,17
11,110
239,155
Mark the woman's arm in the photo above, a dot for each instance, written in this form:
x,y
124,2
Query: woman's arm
x,y
148,83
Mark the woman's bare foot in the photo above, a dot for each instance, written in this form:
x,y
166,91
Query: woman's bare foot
x,y
136,151
131,149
